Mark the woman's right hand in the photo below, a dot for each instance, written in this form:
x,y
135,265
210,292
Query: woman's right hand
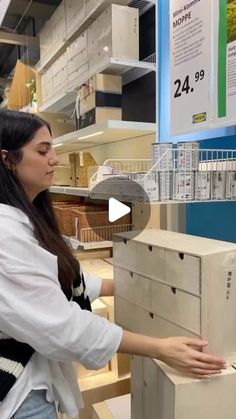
x,y
181,353
185,355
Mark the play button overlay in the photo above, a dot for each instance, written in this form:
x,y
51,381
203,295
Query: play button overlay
x,y
117,210
128,208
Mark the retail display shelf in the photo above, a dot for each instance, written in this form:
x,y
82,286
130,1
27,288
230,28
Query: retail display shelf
x,y
129,70
142,5
59,103
76,244
103,133
68,190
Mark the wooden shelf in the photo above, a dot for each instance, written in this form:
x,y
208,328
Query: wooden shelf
x,y
103,133
68,190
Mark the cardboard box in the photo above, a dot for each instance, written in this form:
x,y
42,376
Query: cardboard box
x,y
100,100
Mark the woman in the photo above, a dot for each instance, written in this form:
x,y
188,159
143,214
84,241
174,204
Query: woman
x,y
45,317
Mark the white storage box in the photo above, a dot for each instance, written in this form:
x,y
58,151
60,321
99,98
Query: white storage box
x,y
60,73
45,41
114,34
47,85
77,57
58,24
77,78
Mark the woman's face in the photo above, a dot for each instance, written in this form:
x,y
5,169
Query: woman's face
x,y
35,170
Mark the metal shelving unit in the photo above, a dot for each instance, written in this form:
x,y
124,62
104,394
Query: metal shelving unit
x,y
178,176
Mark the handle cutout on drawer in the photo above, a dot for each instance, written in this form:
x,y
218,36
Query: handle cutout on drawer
x,y
151,315
125,241
150,248
173,289
181,256
131,274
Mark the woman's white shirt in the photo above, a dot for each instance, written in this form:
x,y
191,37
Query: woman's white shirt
x,y
34,310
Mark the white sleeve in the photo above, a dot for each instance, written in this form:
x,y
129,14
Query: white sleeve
x,y
93,285
34,309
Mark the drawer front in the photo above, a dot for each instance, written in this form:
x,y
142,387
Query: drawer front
x,y
132,287
140,320
125,253
176,306
151,261
183,271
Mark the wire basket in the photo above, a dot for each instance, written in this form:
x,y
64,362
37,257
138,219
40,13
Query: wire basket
x,y
181,174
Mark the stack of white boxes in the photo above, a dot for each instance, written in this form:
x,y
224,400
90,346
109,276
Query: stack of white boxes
x,y
75,15
77,61
47,85
60,76
45,41
171,284
114,34
58,23
53,34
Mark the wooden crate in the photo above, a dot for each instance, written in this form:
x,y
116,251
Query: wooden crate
x,y
116,408
79,164
62,176
178,284
159,392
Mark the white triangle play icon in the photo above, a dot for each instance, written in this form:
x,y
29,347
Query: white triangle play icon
x,y
117,210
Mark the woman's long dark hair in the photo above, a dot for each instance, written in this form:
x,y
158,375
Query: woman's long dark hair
x,y
16,130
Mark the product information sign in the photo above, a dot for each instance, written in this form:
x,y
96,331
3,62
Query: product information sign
x,y
191,64
225,62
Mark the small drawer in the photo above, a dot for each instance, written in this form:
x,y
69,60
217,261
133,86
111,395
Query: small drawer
x,y
132,287
176,306
183,271
125,253
140,320
150,261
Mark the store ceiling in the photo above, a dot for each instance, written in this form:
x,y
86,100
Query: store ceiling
x,y
25,17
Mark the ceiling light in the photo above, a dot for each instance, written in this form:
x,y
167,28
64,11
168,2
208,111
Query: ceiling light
x,y
91,135
3,9
57,145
